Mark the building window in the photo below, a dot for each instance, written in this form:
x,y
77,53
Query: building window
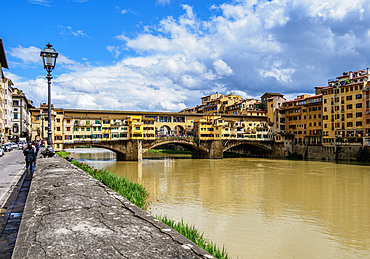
x,y
58,120
68,128
58,128
15,103
15,115
106,135
358,105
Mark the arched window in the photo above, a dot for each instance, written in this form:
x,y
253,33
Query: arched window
x,y
15,128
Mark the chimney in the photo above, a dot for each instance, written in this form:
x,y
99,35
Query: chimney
x,y
367,71
350,75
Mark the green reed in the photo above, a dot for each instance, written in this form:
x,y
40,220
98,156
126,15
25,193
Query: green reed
x,y
63,154
191,233
134,192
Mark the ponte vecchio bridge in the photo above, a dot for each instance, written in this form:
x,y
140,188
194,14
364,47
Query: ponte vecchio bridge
x,y
130,134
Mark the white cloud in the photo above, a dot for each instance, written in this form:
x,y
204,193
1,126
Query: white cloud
x,y
69,31
115,50
31,56
222,68
28,55
333,9
40,2
163,2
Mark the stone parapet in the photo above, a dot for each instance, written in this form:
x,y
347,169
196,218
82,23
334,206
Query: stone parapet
x,y
70,214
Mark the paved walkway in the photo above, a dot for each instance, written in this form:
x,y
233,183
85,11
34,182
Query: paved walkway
x,y
68,214
11,169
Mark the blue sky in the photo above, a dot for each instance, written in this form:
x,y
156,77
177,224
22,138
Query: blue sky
x,y
164,55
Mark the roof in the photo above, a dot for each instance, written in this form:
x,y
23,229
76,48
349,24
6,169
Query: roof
x,y
272,94
301,99
3,61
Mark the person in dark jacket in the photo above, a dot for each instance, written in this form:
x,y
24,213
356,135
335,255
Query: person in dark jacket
x,y
30,155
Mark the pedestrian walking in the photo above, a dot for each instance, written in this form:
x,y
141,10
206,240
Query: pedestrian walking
x,y
30,155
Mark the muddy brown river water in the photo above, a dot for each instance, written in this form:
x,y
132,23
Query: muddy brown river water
x,y
257,208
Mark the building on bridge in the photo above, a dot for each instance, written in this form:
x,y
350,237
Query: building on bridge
x,y
89,127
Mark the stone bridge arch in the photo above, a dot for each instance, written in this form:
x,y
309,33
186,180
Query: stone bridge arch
x,y
256,148
188,145
163,130
125,150
196,151
179,130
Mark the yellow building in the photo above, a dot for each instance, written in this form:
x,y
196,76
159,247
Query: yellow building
x,y
301,117
40,124
209,128
212,105
6,91
68,129
58,129
148,128
343,108
241,107
119,129
106,129
135,127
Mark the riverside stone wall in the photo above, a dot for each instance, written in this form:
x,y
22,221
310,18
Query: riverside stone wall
x,y
69,214
319,152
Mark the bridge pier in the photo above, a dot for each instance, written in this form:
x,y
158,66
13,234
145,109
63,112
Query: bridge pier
x,y
215,150
134,151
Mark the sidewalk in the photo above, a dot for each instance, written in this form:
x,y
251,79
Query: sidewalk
x,y
70,214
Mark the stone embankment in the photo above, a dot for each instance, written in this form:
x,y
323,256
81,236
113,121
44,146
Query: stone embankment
x,y
70,214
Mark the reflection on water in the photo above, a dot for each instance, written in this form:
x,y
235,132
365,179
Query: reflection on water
x,y
262,208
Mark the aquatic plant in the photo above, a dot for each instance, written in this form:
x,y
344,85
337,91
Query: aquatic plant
x,y
191,233
134,192
63,154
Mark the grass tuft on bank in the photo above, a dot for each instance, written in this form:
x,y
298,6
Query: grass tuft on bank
x,y
63,154
191,233
134,192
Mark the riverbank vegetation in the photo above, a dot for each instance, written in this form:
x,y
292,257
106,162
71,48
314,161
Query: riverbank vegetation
x,y
137,194
134,192
63,154
191,233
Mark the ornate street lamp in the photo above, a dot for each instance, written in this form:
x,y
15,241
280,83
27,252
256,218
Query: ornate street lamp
x,y
42,130
49,58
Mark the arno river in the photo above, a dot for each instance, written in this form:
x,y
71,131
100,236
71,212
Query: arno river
x,y
258,208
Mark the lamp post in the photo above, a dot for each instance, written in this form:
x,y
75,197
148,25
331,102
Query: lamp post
x,y
42,129
49,57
